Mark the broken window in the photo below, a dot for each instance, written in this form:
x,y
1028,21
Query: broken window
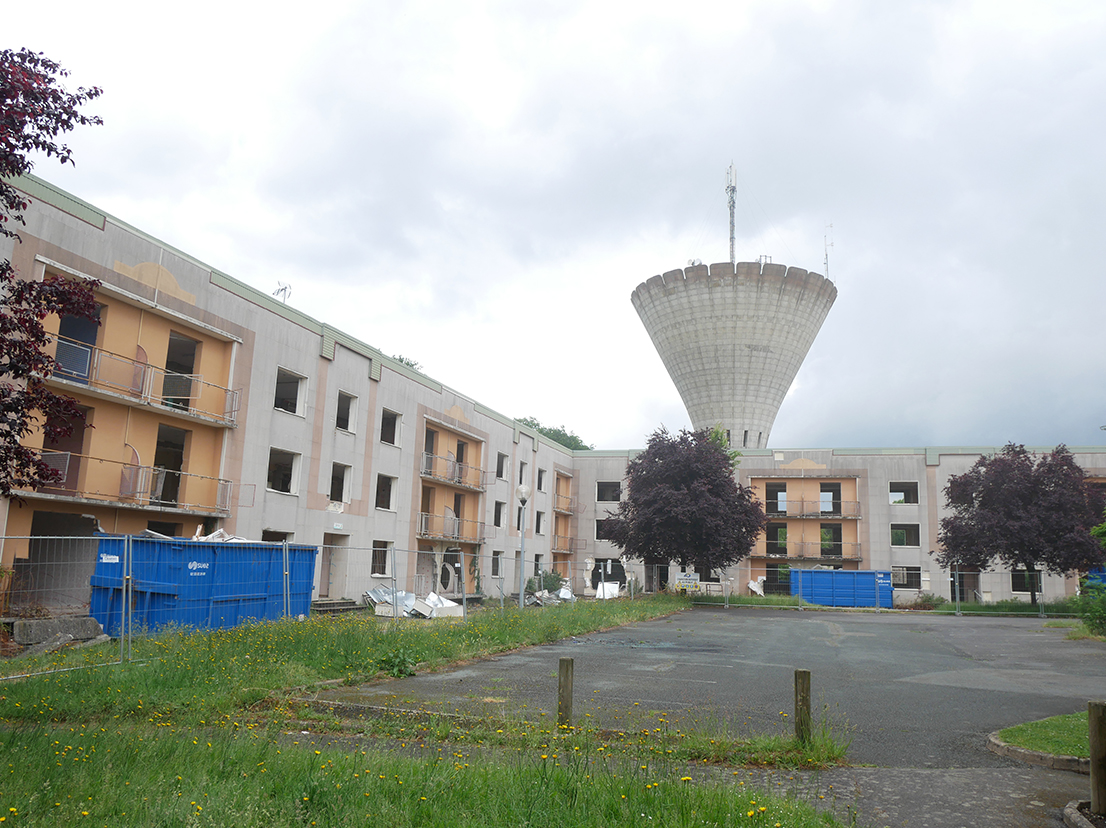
x,y
384,491
389,427
497,564
283,466
905,534
906,577
608,491
776,542
497,517
903,493
776,496
603,528
339,480
539,523
831,540
522,472
1022,580
270,536
346,413
501,461
379,564
288,390
830,498
541,480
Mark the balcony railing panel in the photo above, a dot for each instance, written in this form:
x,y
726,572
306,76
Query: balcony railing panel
x,y
96,478
564,543
814,509
564,504
807,549
448,470
146,383
448,527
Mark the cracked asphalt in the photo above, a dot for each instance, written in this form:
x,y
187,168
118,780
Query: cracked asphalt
x,y
917,695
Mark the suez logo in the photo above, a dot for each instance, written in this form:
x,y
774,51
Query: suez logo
x,y
198,567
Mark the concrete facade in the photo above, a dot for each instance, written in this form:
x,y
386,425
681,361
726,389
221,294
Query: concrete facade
x,y
733,339
276,426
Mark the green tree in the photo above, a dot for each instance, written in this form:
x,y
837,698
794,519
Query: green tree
x,y
558,434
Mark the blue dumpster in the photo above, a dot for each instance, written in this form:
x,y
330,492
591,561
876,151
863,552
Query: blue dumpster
x,y
843,588
201,584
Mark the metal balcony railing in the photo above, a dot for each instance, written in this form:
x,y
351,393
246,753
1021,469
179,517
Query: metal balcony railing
x,y
448,470
564,504
814,509
97,368
564,543
807,549
447,527
96,478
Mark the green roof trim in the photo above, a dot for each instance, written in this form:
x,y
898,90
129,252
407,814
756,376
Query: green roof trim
x,y
38,189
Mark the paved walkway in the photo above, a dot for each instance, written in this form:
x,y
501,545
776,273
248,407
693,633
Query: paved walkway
x,y
917,694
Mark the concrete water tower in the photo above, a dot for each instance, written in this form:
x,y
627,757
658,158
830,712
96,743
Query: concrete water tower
x,y
733,337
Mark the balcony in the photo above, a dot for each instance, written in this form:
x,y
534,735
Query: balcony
x,y
563,543
449,528
809,550
152,487
448,470
564,504
144,383
815,509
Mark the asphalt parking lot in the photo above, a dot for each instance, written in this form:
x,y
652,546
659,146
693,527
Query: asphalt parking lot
x,y
914,692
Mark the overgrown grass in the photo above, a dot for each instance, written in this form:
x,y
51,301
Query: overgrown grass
x,y
192,677
1066,607
751,600
1077,630
201,729
126,776
1063,735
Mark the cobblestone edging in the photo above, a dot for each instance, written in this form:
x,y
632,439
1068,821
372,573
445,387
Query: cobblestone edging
x,y
1036,757
1072,817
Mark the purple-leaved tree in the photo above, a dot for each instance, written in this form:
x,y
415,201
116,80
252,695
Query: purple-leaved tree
x,y
1022,513
683,504
34,110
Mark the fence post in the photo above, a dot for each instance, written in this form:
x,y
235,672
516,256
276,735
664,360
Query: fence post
x,y
802,705
1096,726
123,599
564,692
287,578
464,589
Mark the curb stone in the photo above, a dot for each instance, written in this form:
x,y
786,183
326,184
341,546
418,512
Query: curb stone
x,y
1072,817
1074,764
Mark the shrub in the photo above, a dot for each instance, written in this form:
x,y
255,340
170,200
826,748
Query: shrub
x,y
927,601
1092,607
550,582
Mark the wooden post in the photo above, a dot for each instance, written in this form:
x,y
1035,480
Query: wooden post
x,y
802,705
564,692
1096,725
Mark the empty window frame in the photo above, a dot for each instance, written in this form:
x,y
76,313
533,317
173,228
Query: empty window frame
x,y
906,577
539,523
378,567
518,519
501,466
603,527
283,469
497,564
829,495
272,536
608,491
541,480
831,540
289,391
1022,580
903,493
776,539
339,483
497,514
389,427
347,412
775,495
384,487
905,534
522,471
537,569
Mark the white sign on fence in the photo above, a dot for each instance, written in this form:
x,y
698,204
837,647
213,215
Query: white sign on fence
x,y
688,581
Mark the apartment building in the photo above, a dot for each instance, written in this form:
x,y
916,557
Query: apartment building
x,y
215,405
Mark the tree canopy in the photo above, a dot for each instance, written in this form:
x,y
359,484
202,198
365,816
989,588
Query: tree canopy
x,y
558,434
1022,513
34,109
684,504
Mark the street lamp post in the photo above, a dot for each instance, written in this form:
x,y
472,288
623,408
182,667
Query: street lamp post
x,y
523,494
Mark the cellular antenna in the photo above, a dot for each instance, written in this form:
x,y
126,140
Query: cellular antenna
x,y
828,244
731,197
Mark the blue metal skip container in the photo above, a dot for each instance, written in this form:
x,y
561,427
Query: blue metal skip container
x,y
843,588
198,584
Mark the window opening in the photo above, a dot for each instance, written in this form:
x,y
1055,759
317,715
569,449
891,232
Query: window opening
x,y
389,427
384,491
903,493
905,534
339,478
344,416
608,491
282,470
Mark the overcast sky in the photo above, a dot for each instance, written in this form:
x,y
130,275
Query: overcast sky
x,y
480,187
